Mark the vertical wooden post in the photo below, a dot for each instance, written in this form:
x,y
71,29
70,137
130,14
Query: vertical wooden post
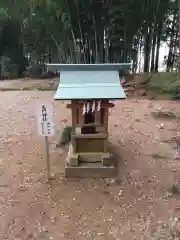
x,y
47,158
74,146
97,117
81,116
74,123
106,113
106,116
74,115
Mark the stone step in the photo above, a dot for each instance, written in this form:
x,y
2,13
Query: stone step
x,y
91,170
90,157
93,157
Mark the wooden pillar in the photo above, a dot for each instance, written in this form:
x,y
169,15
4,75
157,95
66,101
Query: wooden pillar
x,y
74,145
105,145
106,115
74,115
81,116
97,117
74,123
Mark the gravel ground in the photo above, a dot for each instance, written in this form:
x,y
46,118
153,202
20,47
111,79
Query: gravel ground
x,y
133,206
29,84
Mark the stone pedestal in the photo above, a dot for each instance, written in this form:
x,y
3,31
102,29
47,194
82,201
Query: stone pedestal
x,y
89,165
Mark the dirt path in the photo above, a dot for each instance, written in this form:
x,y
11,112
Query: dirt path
x,y
29,84
132,207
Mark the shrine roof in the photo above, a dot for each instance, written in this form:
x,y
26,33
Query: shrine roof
x,y
89,81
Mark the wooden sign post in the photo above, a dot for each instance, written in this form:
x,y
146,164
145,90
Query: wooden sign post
x,y
46,129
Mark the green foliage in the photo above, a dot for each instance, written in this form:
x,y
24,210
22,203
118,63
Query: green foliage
x,y
175,87
65,136
175,190
165,83
48,75
12,71
80,31
163,113
36,70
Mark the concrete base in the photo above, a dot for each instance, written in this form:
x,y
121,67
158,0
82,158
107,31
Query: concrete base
x,y
90,170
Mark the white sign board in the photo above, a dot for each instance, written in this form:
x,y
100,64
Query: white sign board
x,y
45,120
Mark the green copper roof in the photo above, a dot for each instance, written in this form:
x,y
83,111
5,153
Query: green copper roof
x,y
76,83
89,67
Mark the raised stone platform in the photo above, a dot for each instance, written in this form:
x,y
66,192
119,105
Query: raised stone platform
x,y
89,164
90,170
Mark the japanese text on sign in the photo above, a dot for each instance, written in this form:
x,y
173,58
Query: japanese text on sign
x,y
45,120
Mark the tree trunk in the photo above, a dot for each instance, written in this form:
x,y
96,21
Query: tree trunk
x,y
170,54
96,40
106,48
158,47
81,36
147,49
153,51
49,54
134,57
179,35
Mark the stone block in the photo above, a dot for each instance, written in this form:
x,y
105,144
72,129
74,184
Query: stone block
x,y
90,157
73,160
90,170
106,159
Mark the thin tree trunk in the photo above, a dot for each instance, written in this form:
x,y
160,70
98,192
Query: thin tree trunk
x,y
158,47
179,35
101,44
140,53
153,51
154,40
106,48
170,54
135,61
96,41
81,35
76,59
57,44
22,38
175,47
147,49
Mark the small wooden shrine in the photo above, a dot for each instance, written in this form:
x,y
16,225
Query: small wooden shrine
x,y
89,88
